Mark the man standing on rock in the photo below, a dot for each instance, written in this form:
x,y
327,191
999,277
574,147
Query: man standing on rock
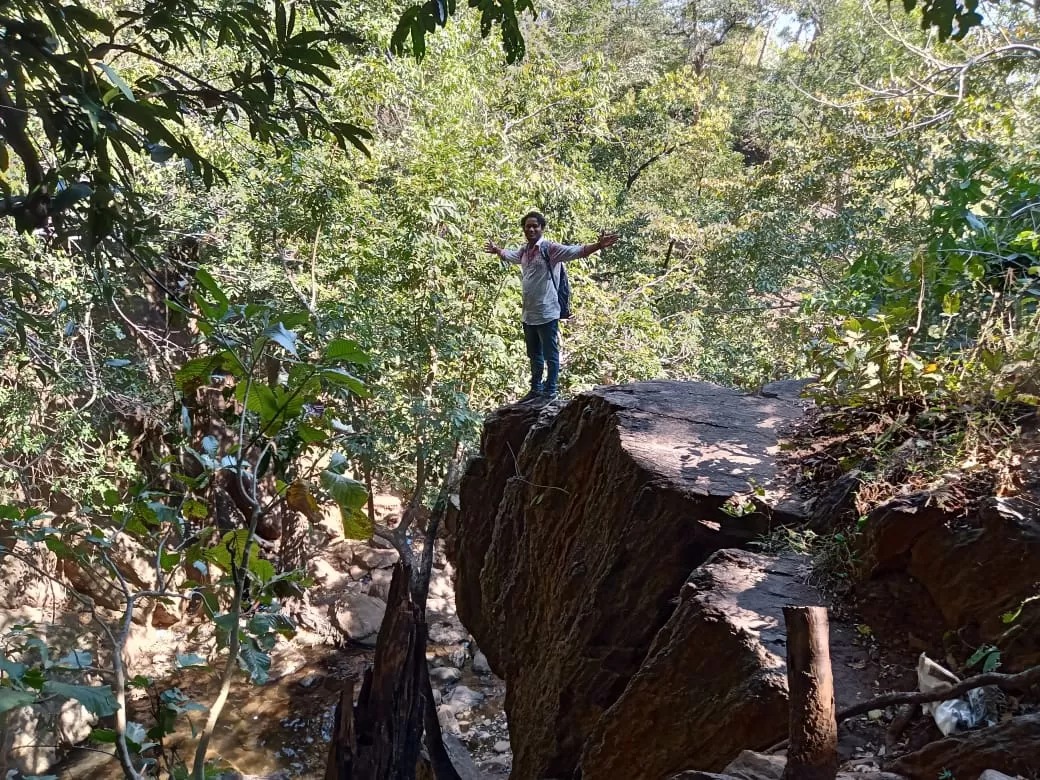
x,y
539,261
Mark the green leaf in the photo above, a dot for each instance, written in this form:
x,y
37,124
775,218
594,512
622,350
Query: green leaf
x,y
98,700
341,377
34,678
283,337
194,509
255,662
310,434
197,372
209,284
261,400
136,734
347,350
77,659
190,659
12,700
348,493
160,153
70,195
338,463
12,669
356,524
103,736
88,19
116,80
262,569
233,543
992,662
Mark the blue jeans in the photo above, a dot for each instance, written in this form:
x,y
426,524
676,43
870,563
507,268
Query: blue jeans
x,y
543,346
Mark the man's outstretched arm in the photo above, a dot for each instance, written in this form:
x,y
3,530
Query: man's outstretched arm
x,y
605,240
506,255
562,253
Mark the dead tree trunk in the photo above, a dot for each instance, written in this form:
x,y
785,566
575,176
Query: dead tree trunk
x,y
380,738
387,731
344,741
812,752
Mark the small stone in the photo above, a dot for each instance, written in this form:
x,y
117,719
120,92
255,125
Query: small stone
x,y
875,714
445,675
502,746
310,680
357,573
447,634
375,557
480,664
464,699
457,656
446,717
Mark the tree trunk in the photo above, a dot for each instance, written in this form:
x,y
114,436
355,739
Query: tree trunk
x,y
388,719
344,740
812,752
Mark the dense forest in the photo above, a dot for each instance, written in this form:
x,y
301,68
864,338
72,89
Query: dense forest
x,y
242,267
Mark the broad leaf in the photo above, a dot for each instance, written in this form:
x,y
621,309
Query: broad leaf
x,y
348,493
77,659
197,372
12,700
98,700
255,662
340,377
283,337
348,351
356,525
299,499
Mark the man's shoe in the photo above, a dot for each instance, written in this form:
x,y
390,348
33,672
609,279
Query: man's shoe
x,y
549,396
532,395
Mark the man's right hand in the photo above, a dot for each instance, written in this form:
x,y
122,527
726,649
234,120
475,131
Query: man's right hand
x,y
492,249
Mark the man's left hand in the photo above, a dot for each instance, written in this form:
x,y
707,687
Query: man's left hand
x,y
607,240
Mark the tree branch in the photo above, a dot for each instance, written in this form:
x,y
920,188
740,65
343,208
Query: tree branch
x,y
1006,682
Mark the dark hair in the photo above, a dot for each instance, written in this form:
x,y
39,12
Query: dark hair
x,y
537,215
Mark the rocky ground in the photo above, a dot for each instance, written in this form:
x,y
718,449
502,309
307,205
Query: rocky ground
x,y
282,728
624,560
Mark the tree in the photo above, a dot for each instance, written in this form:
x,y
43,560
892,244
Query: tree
x,y
84,96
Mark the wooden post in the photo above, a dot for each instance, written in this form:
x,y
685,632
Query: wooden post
x,y
812,750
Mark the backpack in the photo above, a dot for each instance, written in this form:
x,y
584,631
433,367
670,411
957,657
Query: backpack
x,y
563,289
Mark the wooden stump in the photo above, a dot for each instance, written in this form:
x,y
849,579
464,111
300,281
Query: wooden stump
x,y
812,751
383,737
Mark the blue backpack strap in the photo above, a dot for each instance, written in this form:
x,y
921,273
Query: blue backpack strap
x,y
548,263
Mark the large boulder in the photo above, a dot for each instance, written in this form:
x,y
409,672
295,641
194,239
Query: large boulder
x,y
714,681
760,766
578,528
971,569
37,736
1012,747
480,493
359,617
